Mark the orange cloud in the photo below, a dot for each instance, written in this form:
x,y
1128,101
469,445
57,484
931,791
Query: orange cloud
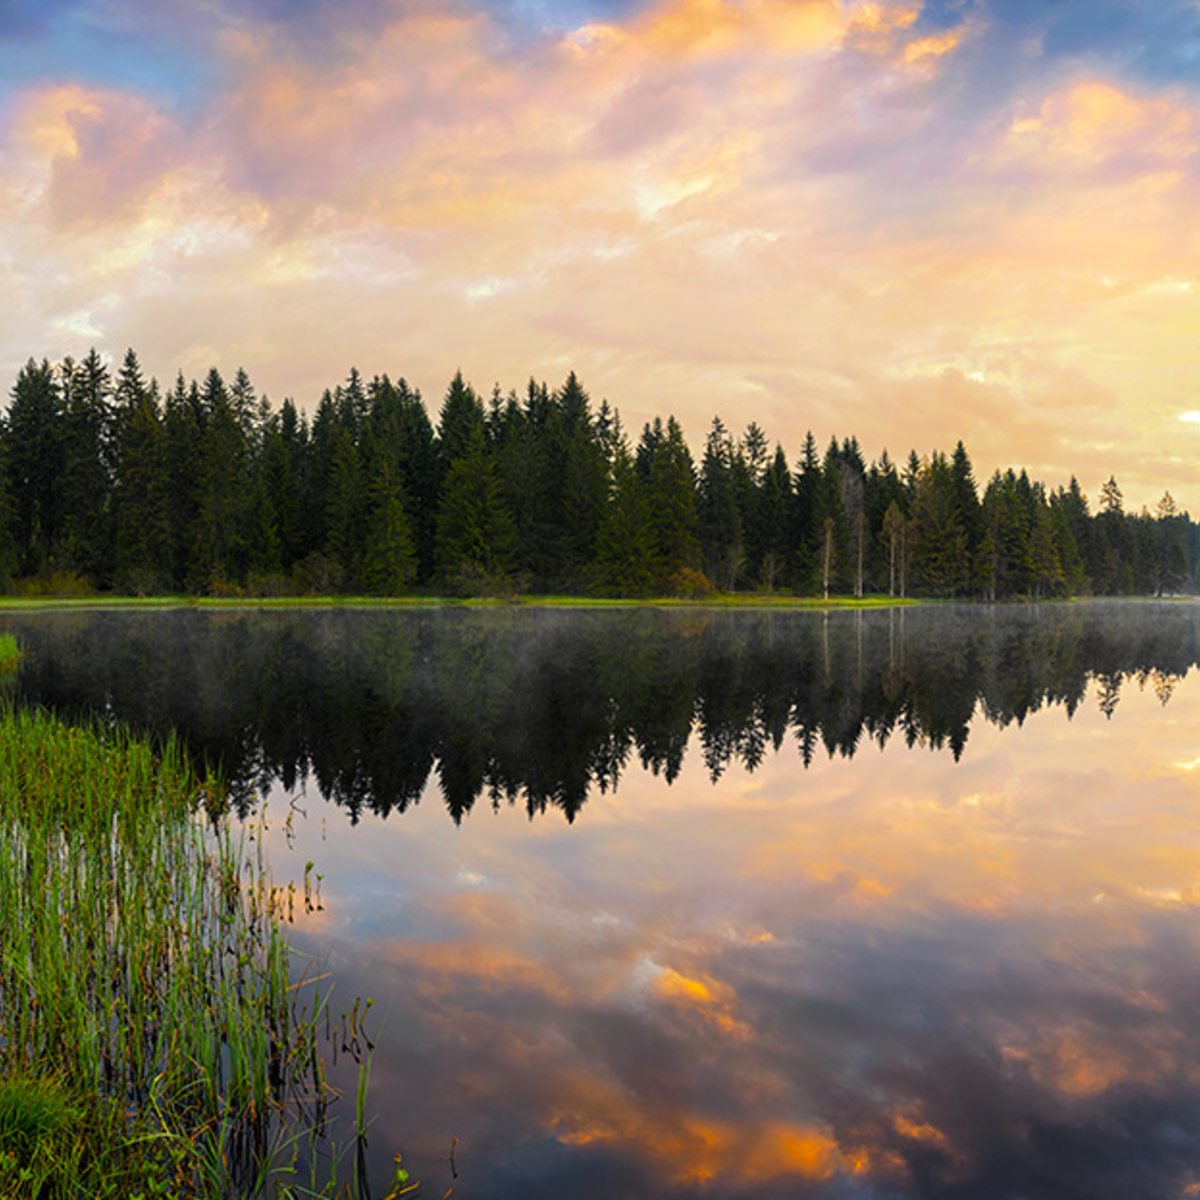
x,y
1092,123
1080,1062
706,28
711,999
763,208
881,30
688,1149
98,156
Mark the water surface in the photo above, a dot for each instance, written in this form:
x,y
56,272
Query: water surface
x,y
883,904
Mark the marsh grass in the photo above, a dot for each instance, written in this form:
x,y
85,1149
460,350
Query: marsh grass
x,y
10,654
152,1037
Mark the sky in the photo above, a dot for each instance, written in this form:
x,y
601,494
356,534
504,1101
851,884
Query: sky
x,y
911,221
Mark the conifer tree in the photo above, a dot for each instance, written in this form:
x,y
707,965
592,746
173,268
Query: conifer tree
x,y
8,541
626,561
460,418
671,493
142,491
225,491
585,484
476,536
279,475
83,499
831,519
1074,506
718,518
183,427
345,506
390,558
940,540
774,520
806,535
34,436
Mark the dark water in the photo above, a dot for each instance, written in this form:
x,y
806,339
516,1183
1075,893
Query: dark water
x,y
673,903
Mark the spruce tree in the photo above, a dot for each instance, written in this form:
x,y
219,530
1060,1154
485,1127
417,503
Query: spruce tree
x,y
774,520
34,435
718,517
390,557
142,490
671,493
183,427
626,562
476,535
222,536
83,501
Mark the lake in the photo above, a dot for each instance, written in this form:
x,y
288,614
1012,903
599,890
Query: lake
x,y
680,902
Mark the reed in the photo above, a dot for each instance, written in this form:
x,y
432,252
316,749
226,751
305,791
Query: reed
x,y
146,986
10,654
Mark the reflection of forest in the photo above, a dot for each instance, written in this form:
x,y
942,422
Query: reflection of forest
x,y
540,706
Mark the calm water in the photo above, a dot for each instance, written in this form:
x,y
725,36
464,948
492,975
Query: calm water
x,y
724,904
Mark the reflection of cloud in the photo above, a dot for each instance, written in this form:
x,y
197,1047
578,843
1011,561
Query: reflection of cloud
x,y
713,1000
977,1027
1083,1062
700,1153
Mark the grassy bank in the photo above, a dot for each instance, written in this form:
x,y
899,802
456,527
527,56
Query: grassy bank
x,y
151,1040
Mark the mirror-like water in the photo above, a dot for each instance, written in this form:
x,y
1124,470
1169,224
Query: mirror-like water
x,y
737,904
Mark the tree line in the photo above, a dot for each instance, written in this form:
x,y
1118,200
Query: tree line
x,y
107,482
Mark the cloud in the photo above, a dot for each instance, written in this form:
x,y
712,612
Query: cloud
x,y
802,214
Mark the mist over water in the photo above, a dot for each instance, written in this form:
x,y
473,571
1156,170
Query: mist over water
x,y
545,708
739,904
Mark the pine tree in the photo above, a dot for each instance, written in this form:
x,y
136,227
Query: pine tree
x,y
807,533
183,426
8,542
142,491
390,557
832,523
774,520
83,499
671,493
1044,557
280,471
460,418
345,505
940,540
626,561
718,518
225,491
34,435
585,484
476,536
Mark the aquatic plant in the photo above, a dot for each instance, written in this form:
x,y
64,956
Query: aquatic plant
x,y
153,1037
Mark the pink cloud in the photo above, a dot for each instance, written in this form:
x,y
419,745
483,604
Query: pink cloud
x,y
765,209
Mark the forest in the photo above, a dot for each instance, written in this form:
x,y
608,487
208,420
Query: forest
x,y
110,484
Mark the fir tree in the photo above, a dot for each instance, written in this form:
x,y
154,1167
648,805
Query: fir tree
x,y
34,436
476,536
390,558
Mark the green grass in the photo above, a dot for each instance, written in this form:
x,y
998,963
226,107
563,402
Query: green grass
x,y
10,654
152,1041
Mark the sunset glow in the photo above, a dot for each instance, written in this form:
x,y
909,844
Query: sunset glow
x,y
909,221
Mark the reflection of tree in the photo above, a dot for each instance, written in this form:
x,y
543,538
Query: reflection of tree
x,y
1108,693
541,707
